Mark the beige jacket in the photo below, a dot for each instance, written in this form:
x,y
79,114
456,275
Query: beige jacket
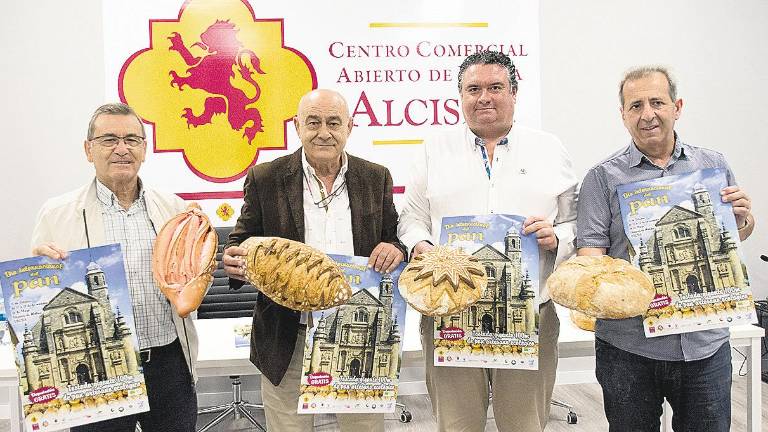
x,y
61,221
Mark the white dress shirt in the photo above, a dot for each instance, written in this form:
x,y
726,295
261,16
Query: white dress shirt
x,y
327,219
531,175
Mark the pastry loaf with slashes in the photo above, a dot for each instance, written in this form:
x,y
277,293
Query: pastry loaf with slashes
x,y
602,287
184,258
442,281
294,275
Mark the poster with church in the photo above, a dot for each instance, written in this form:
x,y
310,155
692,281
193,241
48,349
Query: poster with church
x,y
76,346
685,238
353,352
501,330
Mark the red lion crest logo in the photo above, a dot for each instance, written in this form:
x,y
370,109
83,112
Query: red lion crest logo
x,y
212,73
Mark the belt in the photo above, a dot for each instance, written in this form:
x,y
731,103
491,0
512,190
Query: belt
x,y
146,354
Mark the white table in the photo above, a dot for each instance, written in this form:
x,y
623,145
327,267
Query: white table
x,y
9,383
218,355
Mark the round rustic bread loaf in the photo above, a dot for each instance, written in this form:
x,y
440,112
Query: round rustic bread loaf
x,y
583,321
184,258
442,281
601,286
294,275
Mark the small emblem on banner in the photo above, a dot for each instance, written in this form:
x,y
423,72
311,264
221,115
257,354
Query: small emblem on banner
x,y
225,211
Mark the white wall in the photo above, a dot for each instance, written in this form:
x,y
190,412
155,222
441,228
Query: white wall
x,y
51,77
718,51
51,80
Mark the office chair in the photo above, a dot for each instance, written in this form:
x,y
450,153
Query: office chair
x,y
571,418
220,302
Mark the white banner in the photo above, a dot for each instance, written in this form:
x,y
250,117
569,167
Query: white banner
x,y
218,81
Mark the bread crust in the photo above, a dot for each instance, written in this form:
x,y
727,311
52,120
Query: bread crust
x,y
602,287
294,275
583,321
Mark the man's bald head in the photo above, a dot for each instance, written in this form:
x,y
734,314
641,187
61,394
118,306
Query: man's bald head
x,y
323,125
323,97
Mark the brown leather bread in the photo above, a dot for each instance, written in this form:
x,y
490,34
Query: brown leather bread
x,y
294,275
583,321
184,258
442,281
601,286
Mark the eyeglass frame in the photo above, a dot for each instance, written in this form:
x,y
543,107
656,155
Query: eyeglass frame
x,y
100,140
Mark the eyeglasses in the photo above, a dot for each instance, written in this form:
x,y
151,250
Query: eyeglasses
x,y
109,141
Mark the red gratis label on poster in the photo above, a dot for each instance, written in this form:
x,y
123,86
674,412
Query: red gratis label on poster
x,y
660,301
320,379
43,394
452,333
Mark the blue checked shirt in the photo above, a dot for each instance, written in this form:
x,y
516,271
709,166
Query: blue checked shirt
x,y
600,225
134,231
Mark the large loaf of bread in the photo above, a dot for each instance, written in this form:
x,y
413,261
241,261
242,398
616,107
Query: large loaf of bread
x,y
442,281
582,320
294,275
184,258
601,286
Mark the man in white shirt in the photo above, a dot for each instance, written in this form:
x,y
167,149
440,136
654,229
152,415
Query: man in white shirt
x,y
332,201
491,165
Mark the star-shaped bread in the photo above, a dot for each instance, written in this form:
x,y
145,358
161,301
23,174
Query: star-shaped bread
x,y
447,264
442,281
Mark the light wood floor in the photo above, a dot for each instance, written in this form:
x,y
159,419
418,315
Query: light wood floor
x,y
587,397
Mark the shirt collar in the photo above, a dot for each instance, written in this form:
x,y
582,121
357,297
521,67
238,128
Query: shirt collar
x,y
108,198
479,142
636,157
310,171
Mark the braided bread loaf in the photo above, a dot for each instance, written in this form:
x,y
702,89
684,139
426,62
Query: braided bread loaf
x,y
184,258
294,275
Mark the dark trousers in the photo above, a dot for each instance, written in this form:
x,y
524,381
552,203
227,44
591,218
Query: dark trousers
x,y
634,388
172,397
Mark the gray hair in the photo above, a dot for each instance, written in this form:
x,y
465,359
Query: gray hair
x,y
118,108
644,71
490,57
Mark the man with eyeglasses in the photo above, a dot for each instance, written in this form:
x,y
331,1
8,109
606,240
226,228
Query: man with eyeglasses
x,y
332,201
117,207
493,165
